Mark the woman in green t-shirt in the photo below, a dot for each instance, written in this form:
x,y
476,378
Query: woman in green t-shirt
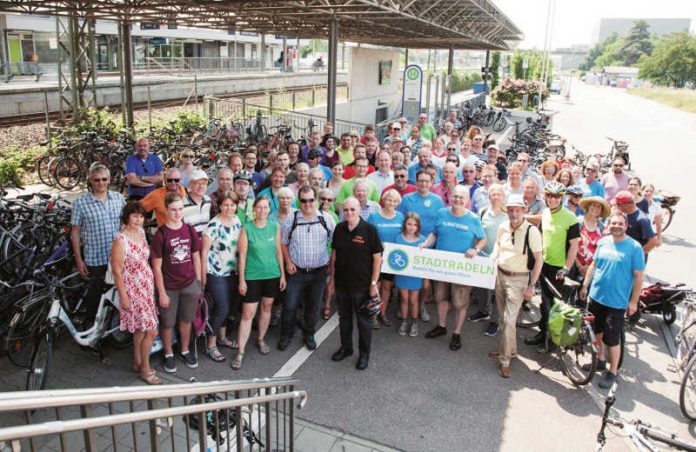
x,y
261,275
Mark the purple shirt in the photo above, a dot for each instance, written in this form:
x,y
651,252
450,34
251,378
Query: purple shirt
x,y
176,247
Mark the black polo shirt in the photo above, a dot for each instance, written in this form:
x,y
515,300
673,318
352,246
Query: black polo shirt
x,y
354,250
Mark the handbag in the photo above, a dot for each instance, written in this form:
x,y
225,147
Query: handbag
x,y
109,275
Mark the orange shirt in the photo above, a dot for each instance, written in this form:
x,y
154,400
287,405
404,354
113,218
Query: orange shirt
x,y
155,201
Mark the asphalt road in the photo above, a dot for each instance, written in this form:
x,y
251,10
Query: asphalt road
x,y
418,395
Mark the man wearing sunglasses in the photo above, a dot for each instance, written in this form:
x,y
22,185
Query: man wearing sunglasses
x,y
143,171
95,221
154,201
616,180
591,186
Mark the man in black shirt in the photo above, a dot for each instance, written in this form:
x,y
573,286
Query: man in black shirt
x,y
353,271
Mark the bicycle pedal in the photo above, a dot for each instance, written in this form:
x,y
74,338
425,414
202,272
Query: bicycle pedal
x,y
672,368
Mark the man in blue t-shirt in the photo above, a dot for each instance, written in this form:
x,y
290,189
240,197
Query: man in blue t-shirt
x,y
639,226
144,171
456,230
614,279
423,202
591,186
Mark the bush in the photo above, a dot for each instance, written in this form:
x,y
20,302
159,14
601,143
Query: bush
x,y
510,93
15,162
465,81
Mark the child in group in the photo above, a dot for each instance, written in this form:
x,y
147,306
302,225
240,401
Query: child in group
x,y
410,286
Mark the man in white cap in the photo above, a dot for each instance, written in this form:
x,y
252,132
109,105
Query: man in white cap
x,y
196,203
492,152
517,241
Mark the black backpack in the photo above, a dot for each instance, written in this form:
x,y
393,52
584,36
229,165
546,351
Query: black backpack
x,y
531,260
322,220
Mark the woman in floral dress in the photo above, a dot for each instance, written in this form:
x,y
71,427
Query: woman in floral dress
x,y
136,288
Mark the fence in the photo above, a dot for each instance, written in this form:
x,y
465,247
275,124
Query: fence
x,y
224,415
278,109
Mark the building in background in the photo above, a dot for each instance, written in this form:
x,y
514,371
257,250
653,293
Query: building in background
x,y
659,27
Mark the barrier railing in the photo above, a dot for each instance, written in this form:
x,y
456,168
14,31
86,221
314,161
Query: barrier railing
x,y
248,415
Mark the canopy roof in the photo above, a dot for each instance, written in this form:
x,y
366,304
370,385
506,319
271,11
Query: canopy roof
x,y
462,24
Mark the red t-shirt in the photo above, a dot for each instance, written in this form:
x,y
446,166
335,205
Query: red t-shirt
x,y
176,247
349,171
409,189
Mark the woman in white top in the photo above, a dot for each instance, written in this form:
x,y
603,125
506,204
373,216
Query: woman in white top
x,y
186,166
654,210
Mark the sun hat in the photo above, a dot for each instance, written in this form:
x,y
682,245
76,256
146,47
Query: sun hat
x,y
515,200
606,209
198,174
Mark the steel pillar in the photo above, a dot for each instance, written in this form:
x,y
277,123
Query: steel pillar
x,y
331,82
262,52
485,75
126,72
405,57
3,49
450,64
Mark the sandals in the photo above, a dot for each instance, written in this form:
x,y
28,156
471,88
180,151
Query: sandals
x,y
227,343
237,362
214,354
151,379
327,313
264,349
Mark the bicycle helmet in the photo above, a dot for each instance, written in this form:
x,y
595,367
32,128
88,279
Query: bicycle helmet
x,y
243,175
554,188
574,190
479,164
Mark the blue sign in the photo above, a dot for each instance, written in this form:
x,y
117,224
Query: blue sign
x,y
397,260
149,26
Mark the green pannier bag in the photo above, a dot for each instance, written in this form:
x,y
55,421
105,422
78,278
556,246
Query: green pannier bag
x,y
564,323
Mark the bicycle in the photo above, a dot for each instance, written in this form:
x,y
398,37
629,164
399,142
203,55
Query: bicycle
x,y
638,431
501,120
686,358
579,360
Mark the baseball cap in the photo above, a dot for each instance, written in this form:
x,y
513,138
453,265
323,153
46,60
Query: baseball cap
x,y
198,174
623,197
515,200
396,125
493,146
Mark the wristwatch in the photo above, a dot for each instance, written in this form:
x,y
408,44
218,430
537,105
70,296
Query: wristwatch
x,y
373,282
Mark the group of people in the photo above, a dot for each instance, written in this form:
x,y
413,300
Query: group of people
x,y
310,226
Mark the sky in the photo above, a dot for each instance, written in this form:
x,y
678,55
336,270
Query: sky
x,y
577,21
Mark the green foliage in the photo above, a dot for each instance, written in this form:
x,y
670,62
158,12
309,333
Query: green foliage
x,y
597,51
15,162
534,61
615,51
464,81
495,69
636,44
315,45
673,61
93,120
185,120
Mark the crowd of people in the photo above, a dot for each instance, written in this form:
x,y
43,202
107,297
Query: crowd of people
x,y
280,244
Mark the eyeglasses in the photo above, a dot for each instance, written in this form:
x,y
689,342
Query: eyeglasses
x,y
478,139
306,200
400,176
187,156
173,180
349,209
591,170
468,171
100,179
144,169
326,199
451,149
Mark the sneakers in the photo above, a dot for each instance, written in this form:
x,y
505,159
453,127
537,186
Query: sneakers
x,y
424,316
435,332
413,332
455,342
403,328
190,360
170,364
607,381
375,323
492,329
601,365
478,316
537,339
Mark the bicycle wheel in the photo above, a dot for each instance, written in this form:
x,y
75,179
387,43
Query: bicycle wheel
x,y
489,119
24,326
687,391
68,173
580,360
500,124
43,169
118,338
40,362
667,215
530,314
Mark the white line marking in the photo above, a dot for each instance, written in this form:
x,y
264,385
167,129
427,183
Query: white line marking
x,y
302,355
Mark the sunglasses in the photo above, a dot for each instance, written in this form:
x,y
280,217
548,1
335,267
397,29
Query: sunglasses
x,y
306,200
350,209
173,180
187,156
553,196
100,179
400,176
468,171
451,149
618,166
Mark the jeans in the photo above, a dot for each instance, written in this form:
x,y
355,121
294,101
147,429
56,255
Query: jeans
x,y
548,271
222,296
349,302
487,303
306,287
95,289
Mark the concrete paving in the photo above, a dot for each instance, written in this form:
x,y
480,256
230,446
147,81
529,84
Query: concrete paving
x,y
418,395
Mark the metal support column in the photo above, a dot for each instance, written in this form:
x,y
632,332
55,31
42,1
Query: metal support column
x,y
126,72
405,57
486,75
284,54
450,64
3,49
262,52
331,82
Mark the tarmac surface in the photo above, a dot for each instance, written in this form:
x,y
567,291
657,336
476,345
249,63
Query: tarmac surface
x,y
417,395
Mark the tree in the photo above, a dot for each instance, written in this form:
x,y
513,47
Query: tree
x,y
636,44
495,68
597,51
672,62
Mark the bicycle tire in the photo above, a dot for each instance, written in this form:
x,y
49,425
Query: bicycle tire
x,y
665,438
532,317
68,173
500,124
118,339
489,119
43,170
575,357
40,362
667,215
687,336
687,391
23,327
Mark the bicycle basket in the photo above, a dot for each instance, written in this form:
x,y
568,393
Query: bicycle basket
x,y
565,322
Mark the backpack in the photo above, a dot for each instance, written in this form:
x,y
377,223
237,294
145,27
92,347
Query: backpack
x,y
564,323
322,221
201,324
531,260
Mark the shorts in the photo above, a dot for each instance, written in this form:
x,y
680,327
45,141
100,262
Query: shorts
x,y
261,288
182,305
456,294
608,321
386,277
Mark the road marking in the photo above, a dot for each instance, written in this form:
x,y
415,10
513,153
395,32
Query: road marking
x,y
302,355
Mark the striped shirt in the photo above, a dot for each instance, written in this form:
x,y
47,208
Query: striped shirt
x,y
99,222
308,246
197,215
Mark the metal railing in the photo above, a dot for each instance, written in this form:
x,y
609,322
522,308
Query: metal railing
x,y
223,415
242,115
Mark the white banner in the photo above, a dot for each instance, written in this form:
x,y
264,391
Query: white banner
x,y
439,265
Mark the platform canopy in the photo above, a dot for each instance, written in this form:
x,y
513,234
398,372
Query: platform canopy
x,y
460,24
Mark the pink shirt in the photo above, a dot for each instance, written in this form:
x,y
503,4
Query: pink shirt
x,y
612,184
